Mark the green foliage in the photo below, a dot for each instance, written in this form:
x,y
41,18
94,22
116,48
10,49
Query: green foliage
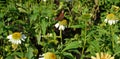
x,y
71,45
86,32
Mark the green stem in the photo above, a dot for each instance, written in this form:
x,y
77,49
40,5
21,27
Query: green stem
x,y
61,43
112,33
21,51
61,36
84,39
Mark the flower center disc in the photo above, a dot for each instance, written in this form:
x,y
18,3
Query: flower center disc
x,y
16,35
111,17
63,22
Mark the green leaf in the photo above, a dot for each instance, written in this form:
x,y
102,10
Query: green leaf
x,y
71,45
68,55
76,26
18,54
10,57
29,53
75,51
22,10
44,25
94,47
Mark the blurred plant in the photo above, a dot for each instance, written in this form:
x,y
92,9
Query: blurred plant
x,y
72,29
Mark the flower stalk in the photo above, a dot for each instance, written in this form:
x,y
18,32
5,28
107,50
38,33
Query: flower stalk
x,y
84,38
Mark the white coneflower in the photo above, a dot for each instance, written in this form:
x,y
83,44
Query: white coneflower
x,y
102,56
61,25
111,19
16,38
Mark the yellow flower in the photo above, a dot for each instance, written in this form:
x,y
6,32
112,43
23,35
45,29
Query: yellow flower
x,y
16,38
102,56
49,55
63,22
110,16
111,19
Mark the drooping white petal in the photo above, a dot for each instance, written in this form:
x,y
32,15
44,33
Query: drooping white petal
x,y
113,21
41,58
61,27
106,20
110,22
14,41
19,41
57,25
23,36
9,37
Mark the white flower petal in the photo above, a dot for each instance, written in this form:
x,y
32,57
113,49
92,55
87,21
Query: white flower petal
x,y
113,21
14,41
106,20
19,41
44,0
23,36
57,25
10,40
110,22
22,39
41,58
61,27
9,37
